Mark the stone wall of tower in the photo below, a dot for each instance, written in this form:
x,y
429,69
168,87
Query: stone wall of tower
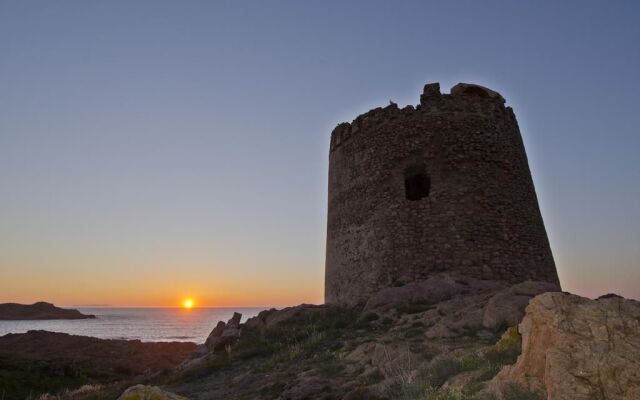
x,y
442,187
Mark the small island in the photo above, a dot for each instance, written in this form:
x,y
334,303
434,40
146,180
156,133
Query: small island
x,y
38,311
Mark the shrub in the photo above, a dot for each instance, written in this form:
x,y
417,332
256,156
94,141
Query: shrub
x,y
471,363
217,362
364,320
370,316
507,350
252,344
448,394
329,366
372,378
471,329
402,390
298,336
414,332
440,371
414,307
420,390
515,391
273,389
22,378
424,350
490,371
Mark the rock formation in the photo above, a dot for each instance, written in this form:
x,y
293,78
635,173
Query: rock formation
x,y
578,349
454,307
39,310
442,187
221,337
224,334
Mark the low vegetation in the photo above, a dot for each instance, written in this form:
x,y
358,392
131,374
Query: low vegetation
x,y
22,378
479,363
372,354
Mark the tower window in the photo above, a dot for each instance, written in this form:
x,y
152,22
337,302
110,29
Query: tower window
x,y
416,183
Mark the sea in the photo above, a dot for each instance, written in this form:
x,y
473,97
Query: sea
x,y
145,324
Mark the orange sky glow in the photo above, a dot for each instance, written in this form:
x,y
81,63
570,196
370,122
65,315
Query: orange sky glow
x,y
160,289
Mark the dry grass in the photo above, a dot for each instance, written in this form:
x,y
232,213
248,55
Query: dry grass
x,y
70,394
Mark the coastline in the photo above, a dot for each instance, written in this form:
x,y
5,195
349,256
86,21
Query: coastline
x,y
133,323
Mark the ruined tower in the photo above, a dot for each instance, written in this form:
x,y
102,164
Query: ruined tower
x,y
442,187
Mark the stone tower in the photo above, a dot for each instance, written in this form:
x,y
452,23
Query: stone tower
x,y
442,187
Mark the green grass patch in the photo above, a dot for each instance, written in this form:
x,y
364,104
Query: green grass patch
x,y
507,350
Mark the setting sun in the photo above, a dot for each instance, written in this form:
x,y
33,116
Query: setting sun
x,y
187,303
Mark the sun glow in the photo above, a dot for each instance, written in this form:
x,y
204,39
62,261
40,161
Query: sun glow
x,y
187,303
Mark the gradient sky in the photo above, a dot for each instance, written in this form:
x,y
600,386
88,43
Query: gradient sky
x,y
151,150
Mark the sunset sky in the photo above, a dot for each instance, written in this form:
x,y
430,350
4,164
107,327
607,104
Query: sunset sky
x,y
157,150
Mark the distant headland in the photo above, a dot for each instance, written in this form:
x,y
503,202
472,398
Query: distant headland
x,y
40,310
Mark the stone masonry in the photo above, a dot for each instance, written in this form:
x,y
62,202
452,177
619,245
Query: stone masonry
x,y
441,187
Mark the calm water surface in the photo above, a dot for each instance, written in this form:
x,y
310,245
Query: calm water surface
x,y
146,324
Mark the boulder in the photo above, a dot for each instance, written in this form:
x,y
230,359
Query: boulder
x,y
143,392
506,308
271,318
575,348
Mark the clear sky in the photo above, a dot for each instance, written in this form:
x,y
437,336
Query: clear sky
x,y
151,150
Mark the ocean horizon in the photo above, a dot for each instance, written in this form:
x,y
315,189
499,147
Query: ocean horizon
x,y
147,324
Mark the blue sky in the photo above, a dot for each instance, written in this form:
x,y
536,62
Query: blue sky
x,y
155,149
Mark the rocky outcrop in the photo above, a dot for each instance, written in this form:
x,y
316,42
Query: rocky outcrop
x,y
434,329
39,310
224,334
143,392
506,307
457,307
435,338
575,348
272,318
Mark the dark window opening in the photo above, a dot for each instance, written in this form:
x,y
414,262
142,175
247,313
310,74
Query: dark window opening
x,y
416,183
